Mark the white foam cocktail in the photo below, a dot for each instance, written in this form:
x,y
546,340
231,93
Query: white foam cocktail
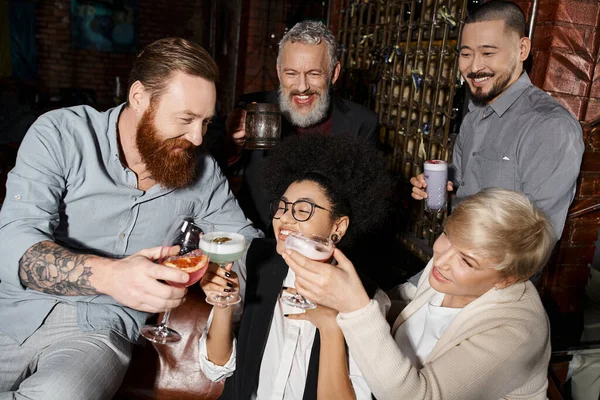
x,y
223,248
311,246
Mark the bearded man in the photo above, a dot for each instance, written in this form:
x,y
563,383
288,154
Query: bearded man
x,y
307,67
91,196
515,136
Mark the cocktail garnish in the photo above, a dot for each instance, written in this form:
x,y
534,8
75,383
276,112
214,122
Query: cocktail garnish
x,y
221,240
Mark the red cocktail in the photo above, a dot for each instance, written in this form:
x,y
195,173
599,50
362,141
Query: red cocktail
x,y
194,263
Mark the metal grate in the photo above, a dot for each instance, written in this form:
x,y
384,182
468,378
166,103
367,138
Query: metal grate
x,y
400,55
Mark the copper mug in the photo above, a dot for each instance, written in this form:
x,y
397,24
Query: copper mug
x,y
263,126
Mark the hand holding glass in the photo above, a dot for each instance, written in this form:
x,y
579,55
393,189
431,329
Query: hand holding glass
x,y
223,248
189,259
315,247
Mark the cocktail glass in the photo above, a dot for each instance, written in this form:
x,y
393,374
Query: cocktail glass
x,y
315,247
186,235
223,248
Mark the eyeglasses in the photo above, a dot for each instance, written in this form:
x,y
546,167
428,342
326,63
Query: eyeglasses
x,y
302,210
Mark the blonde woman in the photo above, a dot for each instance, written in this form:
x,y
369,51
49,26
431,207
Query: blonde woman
x,y
474,328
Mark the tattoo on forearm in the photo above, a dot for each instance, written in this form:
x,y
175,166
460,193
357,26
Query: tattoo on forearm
x,y
50,268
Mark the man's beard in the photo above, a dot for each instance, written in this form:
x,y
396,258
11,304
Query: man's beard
x,y
481,99
313,117
170,169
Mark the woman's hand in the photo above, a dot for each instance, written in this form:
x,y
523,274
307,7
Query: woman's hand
x,y
337,287
219,280
323,318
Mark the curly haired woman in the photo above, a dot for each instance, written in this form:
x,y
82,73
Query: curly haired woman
x,y
332,186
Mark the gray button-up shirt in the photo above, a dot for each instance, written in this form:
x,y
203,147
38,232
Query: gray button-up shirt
x,y
524,141
69,186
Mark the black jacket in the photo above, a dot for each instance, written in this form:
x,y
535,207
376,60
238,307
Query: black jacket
x,y
348,118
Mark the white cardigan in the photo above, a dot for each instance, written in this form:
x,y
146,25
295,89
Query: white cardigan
x,y
498,346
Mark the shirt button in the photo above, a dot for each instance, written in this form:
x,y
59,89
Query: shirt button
x,y
462,184
122,235
474,154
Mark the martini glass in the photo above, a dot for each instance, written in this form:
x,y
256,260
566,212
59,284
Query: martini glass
x,y
315,247
223,248
186,236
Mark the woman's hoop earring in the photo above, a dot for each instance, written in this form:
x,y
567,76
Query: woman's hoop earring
x,y
334,237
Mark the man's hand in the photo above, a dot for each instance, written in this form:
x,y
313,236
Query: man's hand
x,y
236,126
419,185
134,282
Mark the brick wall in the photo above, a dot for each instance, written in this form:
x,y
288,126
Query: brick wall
x,y
264,26
62,66
566,65
565,51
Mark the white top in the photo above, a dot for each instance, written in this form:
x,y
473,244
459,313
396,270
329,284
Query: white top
x,y
285,361
419,334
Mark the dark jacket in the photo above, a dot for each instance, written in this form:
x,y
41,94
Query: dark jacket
x,y
266,272
348,118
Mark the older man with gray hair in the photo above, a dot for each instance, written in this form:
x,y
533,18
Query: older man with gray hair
x,y
307,67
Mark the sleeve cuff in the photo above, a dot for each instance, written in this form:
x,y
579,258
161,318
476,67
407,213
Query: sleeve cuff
x,y
211,370
367,310
14,246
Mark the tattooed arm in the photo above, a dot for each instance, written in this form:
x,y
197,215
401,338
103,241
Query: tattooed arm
x,y
132,281
50,268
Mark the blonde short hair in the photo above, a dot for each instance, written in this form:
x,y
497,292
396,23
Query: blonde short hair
x,y
505,227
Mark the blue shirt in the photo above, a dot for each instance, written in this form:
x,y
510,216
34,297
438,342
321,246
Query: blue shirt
x,y
523,141
70,186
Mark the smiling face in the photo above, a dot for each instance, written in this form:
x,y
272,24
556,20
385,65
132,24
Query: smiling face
x,y
491,59
172,126
320,223
305,78
461,274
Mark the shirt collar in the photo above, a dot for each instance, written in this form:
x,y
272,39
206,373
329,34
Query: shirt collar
x,y
113,122
510,95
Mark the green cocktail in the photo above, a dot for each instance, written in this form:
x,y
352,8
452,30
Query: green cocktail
x,y
223,248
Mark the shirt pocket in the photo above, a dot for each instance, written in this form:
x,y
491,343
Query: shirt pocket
x,y
495,169
156,217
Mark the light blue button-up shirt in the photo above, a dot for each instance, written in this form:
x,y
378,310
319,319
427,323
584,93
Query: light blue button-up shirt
x,y
70,186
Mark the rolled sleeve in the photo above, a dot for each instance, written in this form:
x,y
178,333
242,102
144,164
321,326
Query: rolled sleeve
x,y
34,188
549,163
211,370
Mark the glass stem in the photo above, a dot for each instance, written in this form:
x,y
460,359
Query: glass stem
x,y
163,327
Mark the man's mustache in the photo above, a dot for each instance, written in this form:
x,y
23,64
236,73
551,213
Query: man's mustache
x,y
479,75
181,143
305,93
